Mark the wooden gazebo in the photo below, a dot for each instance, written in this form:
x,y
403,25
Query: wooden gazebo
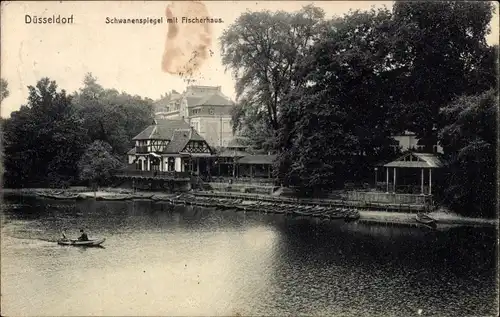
x,y
426,162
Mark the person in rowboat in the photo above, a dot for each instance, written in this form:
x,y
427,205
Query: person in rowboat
x,y
84,236
63,235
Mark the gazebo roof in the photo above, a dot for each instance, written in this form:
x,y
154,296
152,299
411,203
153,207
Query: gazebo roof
x,y
416,160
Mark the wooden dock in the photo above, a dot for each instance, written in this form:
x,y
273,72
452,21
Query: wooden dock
x,y
360,205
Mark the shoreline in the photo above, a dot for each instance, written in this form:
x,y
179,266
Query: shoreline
x,y
222,201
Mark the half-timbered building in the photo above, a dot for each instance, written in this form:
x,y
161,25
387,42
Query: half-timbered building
x,y
170,146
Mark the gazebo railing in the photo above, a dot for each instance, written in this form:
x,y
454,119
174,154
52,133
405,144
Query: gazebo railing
x,y
382,187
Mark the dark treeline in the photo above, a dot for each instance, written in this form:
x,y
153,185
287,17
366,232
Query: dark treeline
x,y
325,95
56,139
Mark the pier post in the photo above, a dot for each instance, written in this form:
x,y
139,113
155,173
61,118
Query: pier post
x,y
394,180
430,181
387,179
422,181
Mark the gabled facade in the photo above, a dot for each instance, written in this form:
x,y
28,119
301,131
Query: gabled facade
x,y
169,145
205,108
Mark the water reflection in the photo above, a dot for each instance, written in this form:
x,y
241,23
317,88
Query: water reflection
x,y
173,260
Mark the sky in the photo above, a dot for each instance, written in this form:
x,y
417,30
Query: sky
x,y
125,57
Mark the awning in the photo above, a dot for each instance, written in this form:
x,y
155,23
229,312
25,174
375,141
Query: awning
x,y
257,159
155,155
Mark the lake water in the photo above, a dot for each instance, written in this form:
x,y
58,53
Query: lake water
x,y
164,260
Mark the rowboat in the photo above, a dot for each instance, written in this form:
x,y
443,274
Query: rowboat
x,y
60,196
352,215
77,243
114,198
423,218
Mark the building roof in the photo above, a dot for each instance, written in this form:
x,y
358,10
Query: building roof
x,y
404,133
232,153
162,129
202,89
193,101
236,143
179,141
194,96
166,129
416,160
257,159
214,99
168,99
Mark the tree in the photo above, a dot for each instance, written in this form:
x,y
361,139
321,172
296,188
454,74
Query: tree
x,y
470,144
318,149
111,116
97,164
4,89
442,46
44,139
263,50
335,128
255,132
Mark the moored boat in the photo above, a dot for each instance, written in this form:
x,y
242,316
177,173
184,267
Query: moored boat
x,y
127,197
425,219
352,215
78,243
59,196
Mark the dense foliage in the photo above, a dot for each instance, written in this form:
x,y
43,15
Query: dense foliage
x,y
337,124
44,139
442,49
111,116
470,141
47,137
4,93
4,89
328,94
264,49
98,163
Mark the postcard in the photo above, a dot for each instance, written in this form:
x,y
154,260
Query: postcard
x,y
249,158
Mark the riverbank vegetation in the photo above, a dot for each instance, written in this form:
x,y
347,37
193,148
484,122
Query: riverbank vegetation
x,y
326,94
48,141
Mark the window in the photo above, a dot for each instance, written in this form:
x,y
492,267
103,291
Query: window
x,y
195,125
138,165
